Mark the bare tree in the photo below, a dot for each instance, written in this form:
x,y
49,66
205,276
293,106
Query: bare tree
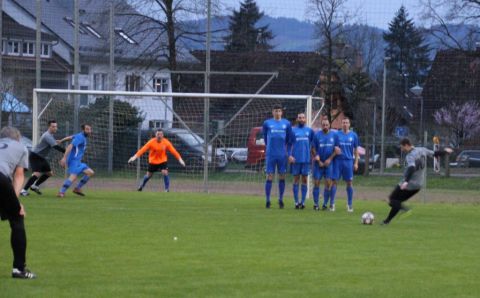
x,y
171,22
367,43
446,16
330,16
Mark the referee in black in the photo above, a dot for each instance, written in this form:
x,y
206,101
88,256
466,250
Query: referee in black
x,y
413,177
38,158
13,162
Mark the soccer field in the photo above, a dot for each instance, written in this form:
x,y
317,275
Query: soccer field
x,y
122,244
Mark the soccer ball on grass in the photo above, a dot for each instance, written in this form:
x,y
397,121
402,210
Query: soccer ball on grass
x,y
368,218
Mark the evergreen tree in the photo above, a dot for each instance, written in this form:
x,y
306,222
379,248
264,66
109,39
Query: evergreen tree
x,y
405,46
244,36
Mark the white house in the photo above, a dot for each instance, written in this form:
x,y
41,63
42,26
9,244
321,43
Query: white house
x,y
136,69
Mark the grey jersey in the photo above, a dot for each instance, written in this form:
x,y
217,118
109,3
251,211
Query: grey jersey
x,y
47,141
418,159
13,154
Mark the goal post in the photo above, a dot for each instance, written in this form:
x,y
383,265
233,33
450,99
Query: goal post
x,y
225,153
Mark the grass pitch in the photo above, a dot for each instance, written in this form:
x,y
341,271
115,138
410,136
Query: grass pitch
x,y
121,244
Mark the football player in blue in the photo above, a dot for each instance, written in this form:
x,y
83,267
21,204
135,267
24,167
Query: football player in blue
x,y
300,158
277,134
324,145
346,161
73,160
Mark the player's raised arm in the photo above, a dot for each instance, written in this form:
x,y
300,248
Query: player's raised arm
x,y
140,152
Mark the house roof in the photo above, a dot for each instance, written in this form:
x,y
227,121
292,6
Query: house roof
x,y
56,64
454,76
298,72
56,13
13,30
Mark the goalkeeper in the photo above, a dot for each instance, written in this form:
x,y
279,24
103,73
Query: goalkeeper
x,y
157,158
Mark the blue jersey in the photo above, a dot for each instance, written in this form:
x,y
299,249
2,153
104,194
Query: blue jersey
x,y
302,142
347,142
79,144
277,135
324,144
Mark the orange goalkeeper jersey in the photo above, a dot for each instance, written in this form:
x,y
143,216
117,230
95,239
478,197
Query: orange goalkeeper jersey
x,y
158,151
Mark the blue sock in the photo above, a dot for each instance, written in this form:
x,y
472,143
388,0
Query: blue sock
x,y
66,185
145,180
349,195
316,194
304,193
268,189
295,193
281,189
83,181
166,182
333,192
326,196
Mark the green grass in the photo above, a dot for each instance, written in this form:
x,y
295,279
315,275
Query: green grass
x,y
120,244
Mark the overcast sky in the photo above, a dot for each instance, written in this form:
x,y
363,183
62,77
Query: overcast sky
x,y
373,12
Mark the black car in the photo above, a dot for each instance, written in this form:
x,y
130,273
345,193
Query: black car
x,y
468,159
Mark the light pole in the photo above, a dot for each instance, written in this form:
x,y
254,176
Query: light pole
x,y
417,90
382,147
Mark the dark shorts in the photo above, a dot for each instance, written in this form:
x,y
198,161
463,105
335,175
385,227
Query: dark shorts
x,y
152,168
9,204
38,163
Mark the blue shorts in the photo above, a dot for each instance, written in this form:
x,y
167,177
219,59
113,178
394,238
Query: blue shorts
x,y
76,167
301,168
343,169
280,163
323,172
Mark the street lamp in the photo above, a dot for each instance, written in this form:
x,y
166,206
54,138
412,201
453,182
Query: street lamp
x,y
417,91
382,147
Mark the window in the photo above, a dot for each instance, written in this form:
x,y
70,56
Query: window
x,y
13,48
28,49
125,36
91,30
160,85
132,83
3,47
45,50
156,124
72,23
84,69
83,97
99,81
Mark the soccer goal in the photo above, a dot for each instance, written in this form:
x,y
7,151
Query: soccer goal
x,y
218,135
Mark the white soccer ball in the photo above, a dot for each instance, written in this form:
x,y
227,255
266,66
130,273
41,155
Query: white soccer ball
x,y
368,218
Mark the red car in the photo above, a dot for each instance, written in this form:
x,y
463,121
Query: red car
x,y
256,148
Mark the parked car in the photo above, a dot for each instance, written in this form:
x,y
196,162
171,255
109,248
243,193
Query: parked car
x,y
467,159
240,156
255,148
374,161
191,148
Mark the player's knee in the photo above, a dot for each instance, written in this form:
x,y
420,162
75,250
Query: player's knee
x,y
49,174
16,224
90,173
165,172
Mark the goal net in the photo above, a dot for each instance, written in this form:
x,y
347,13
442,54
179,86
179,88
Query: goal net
x,y
218,135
